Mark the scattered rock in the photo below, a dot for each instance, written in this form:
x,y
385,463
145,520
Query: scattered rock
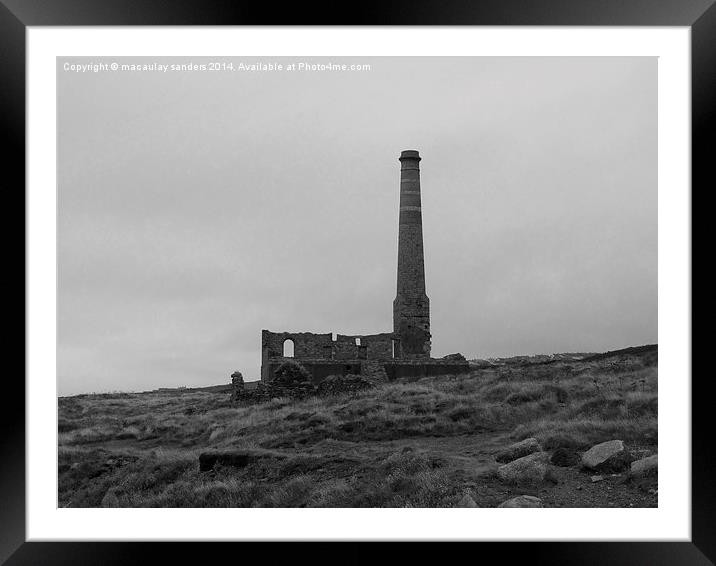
x,y
467,501
518,450
522,501
611,456
455,358
564,457
208,460
644,473
595,479
530,469
645,467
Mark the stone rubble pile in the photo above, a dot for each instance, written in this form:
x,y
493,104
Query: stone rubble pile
x,y
332,385
525,463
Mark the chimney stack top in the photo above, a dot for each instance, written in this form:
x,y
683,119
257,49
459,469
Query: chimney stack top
x,y
409,154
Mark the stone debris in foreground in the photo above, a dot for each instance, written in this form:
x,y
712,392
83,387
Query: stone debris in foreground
x,y
518,450
611,456
467,501
522,501
530,469
645,467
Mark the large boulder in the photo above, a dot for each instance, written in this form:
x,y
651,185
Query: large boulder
x,y
646,467
611,456
467,501
530,469
522,501
518,450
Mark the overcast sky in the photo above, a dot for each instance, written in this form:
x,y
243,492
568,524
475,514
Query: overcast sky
x,y
197,208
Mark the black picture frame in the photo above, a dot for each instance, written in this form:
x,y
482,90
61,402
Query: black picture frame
x,y
17,15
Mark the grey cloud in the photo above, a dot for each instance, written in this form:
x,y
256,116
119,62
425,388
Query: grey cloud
x,y
196,209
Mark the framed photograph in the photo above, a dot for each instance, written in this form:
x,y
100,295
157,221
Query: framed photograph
x,y
301,277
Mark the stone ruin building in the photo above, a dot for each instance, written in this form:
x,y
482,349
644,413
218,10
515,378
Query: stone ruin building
x,y
404,352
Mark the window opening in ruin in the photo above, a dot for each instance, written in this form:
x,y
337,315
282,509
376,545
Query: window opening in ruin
x,y
395,348
357,341
288,346
334,337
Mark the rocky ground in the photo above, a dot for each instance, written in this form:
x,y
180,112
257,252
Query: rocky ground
x,y
476,440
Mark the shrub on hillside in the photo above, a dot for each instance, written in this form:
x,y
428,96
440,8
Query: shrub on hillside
x,y
290,372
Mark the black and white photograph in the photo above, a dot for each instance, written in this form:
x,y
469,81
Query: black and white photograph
x,y
357,282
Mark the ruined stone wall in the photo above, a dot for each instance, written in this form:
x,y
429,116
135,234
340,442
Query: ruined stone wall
x,y
392,369
306,344
363,347
346,351
319,369
380,346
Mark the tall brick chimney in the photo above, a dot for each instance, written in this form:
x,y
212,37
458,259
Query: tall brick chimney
x,y
411,308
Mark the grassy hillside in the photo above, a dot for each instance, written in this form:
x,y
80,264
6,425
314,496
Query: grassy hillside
x,y
420,443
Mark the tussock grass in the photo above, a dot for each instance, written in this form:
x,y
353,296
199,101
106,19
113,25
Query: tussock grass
x,y
141,450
